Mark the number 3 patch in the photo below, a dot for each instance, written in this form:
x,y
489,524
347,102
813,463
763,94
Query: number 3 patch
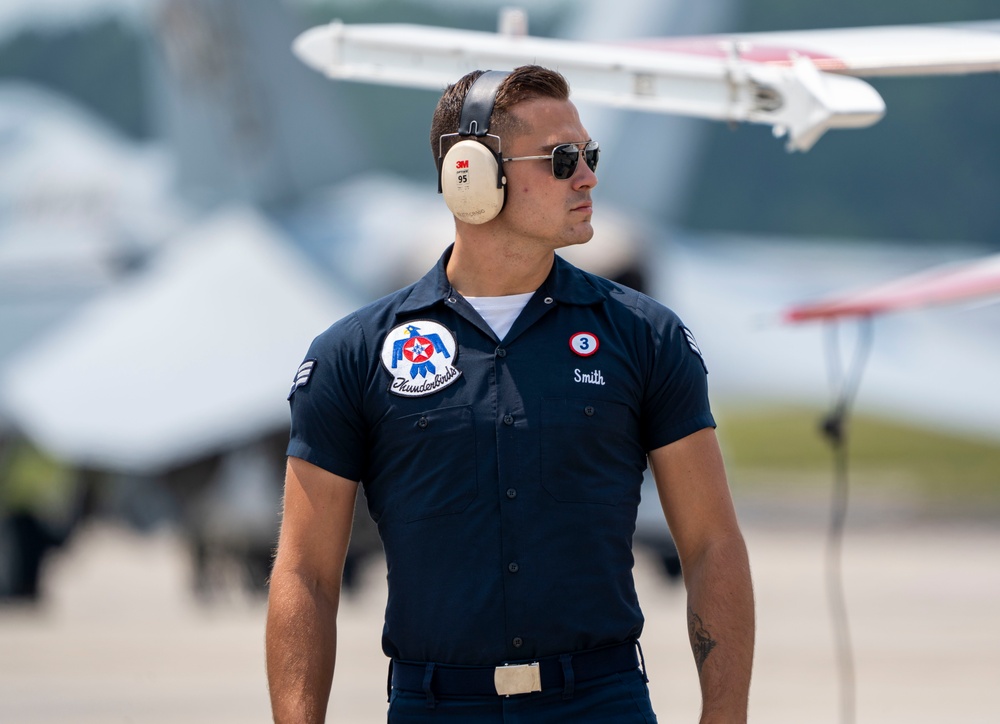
x,y
584,343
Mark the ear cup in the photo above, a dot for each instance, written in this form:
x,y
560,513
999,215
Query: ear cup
x,y
471,182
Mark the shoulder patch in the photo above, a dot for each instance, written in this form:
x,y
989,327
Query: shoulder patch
x,y
693,345
302,376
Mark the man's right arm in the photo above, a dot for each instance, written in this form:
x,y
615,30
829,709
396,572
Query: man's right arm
x,y
301,637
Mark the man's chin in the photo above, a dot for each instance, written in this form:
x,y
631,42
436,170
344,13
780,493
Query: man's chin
x,y
586,235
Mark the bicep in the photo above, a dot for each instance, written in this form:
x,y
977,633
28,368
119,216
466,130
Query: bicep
x,y
316,522
694,492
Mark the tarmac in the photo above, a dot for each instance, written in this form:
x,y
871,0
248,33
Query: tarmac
x,y
121,637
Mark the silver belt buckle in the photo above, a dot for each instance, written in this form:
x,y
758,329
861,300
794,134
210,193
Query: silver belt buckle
x,y
517,679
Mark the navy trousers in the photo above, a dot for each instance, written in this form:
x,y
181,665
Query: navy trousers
x,y
614,699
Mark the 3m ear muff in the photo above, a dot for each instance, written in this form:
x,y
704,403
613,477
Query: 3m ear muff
x,y
472,179
472,182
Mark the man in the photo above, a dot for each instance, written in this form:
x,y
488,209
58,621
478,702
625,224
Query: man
x,y
500,413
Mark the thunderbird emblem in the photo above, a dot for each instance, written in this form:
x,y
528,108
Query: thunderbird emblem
x,y
420,356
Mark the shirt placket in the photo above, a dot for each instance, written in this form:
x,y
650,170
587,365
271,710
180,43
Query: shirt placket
x,y
514,434
510,421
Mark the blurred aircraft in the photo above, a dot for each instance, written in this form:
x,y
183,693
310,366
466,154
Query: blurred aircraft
x,y
81,211
168,385
145,294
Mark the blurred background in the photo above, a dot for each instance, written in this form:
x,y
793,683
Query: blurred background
x,y
184,206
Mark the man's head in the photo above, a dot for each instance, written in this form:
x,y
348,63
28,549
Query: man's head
x,y
530,179
524,83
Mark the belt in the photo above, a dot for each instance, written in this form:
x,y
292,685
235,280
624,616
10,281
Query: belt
x,y
522,678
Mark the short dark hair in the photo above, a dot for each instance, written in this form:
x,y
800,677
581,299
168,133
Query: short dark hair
x,y
524,83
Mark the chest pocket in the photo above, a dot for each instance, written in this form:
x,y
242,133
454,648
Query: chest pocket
x,y
590,451
433,468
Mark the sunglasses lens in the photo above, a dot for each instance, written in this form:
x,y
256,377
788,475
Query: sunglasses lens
x,y
564,160
591,155
567,156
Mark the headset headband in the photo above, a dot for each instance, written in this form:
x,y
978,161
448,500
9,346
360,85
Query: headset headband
x,y
478,105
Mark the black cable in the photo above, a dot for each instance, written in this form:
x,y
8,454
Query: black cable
x,y
834,428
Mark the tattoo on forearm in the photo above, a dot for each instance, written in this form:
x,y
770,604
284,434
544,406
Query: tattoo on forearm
x,y
702,642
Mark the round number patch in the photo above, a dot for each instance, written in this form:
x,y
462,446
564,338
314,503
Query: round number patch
x,y
584,343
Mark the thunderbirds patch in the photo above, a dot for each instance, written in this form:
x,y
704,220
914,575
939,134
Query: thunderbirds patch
x,y
420,356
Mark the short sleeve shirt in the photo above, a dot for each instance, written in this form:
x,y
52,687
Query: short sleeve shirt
x,y
504,475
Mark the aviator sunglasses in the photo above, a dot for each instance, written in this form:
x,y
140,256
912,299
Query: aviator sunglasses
x,y
565,157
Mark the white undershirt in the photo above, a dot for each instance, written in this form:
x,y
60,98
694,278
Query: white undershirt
x,y
500,312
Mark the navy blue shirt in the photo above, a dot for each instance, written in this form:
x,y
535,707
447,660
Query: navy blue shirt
x,y
504,475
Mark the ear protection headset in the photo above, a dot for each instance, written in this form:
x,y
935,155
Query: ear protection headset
x,y
471,178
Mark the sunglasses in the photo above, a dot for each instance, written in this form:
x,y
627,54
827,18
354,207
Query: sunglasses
x,y
565,158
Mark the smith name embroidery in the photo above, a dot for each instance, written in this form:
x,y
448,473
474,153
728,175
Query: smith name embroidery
x,y
593,378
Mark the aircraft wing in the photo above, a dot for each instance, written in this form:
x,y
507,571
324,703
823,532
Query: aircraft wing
x,y
901,50
798,83
942,285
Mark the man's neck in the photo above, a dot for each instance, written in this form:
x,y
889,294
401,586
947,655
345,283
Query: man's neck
x,y
493,270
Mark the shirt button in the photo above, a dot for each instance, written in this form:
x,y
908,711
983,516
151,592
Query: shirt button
x,y
422,422
512,567
588,411
501,352
518,642
511,493
452,300
548,300
508,419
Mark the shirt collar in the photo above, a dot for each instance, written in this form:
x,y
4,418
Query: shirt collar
x,y
565,284
569,285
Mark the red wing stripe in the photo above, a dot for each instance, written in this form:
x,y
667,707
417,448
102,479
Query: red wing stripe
x,y
942,285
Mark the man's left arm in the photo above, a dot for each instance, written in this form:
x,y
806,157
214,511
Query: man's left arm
x,y
691,482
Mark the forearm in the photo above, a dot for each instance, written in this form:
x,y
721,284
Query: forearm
x,y
301,642
721,628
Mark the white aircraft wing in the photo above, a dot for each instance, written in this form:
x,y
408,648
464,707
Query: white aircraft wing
x,y
947,49
775,79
